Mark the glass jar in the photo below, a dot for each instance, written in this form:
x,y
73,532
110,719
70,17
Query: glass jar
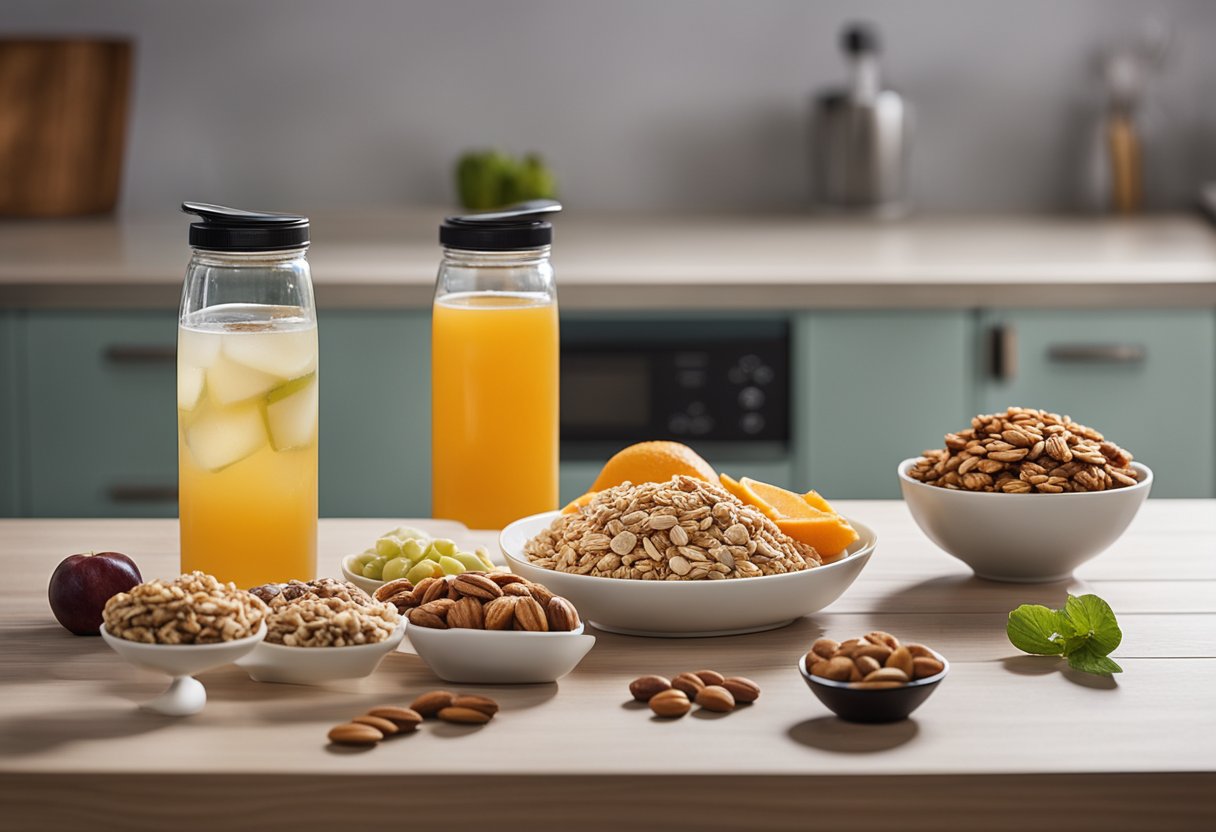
x,y
494,370
247,399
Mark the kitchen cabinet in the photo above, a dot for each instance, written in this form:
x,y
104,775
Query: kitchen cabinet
x,y
1145,378
872,388
99,416
10,461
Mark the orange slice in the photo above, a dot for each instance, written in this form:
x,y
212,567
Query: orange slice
x,y
653,462
807,517
574,505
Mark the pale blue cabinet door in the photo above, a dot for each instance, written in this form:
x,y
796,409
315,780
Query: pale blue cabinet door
x,y
1144,378
100,413
872,388
375,451
10,462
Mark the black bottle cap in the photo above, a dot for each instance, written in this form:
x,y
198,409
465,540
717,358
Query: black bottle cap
x,y
858,38
233,229
515,228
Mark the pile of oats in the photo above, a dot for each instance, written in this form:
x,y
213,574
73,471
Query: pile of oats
x,y
684,529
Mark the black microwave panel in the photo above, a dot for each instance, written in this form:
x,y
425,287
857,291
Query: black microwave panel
x,y
725,388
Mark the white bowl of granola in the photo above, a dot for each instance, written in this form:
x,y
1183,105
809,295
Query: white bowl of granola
x,y
689,608
322,631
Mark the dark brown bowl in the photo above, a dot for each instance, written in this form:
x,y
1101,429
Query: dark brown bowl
x,y
860,705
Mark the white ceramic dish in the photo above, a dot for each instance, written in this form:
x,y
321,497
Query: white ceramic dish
x,y
186,695
1026,538
313,665
499,657
691,608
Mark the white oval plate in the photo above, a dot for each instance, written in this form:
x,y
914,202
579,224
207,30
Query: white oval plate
x,y
691,608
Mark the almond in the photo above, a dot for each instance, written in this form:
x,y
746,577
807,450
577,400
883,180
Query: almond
x,y
709,677
825,648
352,733
384,726
883,637
422,618
644,688
464,716
743,689
476,585
925,666
864,663
901,659
715,698
562,615
466,614
478,703
879,652
688,683
887,674
499,614
839,669
670,703
406,719
432,702
530,615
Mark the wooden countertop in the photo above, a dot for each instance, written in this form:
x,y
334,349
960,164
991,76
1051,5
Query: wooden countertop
x,y
1007,742
387,259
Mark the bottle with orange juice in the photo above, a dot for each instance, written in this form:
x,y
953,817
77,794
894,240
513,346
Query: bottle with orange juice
x,y
494,368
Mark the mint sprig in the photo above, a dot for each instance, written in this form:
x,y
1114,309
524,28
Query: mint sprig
x,y
1085,632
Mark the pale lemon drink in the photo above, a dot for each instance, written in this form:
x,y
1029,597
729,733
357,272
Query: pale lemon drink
x,y
247,399
494,369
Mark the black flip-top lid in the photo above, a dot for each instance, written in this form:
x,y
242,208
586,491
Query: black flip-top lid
x,y
517,227
234,229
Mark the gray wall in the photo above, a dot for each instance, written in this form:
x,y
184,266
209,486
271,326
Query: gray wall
x,y
654,104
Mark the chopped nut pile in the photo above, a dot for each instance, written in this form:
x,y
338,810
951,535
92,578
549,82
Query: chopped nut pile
x,y
683,529
192,609
325,613
1024,450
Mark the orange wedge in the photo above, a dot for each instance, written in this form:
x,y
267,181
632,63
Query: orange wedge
x,y
574,505
805,517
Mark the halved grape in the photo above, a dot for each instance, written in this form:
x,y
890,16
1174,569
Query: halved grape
x,y
424,569
445,547
388,547
218,438
394,569
451,566
409,533
470,561
483,555
413,550
375,568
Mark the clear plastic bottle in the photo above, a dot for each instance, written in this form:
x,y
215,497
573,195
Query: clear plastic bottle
x,y
247,399
494,368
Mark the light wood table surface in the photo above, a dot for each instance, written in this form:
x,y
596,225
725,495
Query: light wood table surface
x,y
1007,742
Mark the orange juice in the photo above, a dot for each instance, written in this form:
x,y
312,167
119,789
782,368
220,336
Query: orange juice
x,y
494,407
247,449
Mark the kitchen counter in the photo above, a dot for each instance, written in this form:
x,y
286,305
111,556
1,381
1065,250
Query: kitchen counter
x,y
1008,742
387,259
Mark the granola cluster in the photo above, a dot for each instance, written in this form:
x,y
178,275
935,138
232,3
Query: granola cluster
x,y
192,609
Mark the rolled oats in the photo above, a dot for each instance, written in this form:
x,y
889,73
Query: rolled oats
x,y
1024,451
682,529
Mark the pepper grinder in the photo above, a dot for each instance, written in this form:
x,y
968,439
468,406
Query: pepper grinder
x,y
861,137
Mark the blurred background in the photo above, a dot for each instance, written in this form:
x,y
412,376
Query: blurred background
x,y
837,229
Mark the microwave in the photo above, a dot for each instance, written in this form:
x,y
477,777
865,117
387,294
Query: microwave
x,y
694,381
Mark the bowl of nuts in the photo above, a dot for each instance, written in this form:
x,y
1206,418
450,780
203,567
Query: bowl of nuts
x,y
490,627
321,631
872,678
1025,495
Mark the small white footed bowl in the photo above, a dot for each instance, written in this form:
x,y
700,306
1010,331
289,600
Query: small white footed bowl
x,y
313,665
1024,538
691,608
186,695
500,657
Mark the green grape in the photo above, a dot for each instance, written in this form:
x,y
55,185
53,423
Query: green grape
x,y
363,559
388,547
424,569
408,533
395,568
483,555
444,546
450,565
430,552
413,550
470,561
375,568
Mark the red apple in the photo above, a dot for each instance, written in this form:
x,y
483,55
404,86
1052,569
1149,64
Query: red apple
x,y
81,585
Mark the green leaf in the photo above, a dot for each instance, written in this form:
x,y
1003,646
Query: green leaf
x,y
1089,660
1032,628
1093,618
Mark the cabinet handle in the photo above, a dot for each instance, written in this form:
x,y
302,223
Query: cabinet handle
x,y
141,353
1097,353
1003,352
142,493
